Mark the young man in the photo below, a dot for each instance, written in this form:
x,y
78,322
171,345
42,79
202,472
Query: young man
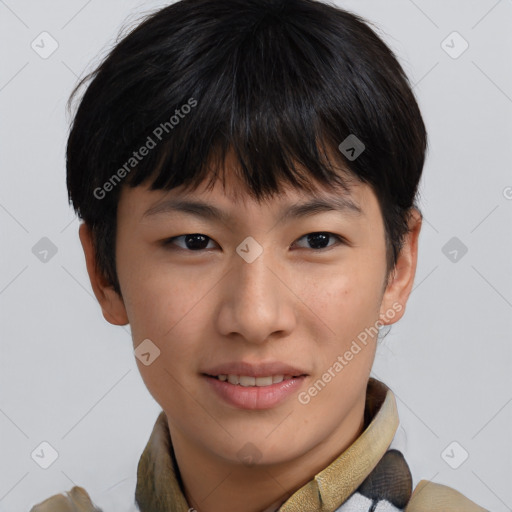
x,y
247,173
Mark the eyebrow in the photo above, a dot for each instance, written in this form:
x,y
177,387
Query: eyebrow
x,y
207,211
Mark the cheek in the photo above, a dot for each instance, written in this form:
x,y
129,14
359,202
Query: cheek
x,y
157,293
158,307
342,311
171,314
343,298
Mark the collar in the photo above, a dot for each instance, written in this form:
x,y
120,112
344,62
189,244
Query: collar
x,y
159,486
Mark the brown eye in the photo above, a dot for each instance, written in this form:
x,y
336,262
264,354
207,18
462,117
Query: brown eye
x,y
191,242
320,240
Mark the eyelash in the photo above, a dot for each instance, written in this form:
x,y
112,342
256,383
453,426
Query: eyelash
x,y
340,241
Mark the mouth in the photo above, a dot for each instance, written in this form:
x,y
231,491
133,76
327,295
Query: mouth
x,y
254,393
250,381
254,385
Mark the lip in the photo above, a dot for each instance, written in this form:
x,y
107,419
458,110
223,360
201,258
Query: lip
x,y
255,370
255,397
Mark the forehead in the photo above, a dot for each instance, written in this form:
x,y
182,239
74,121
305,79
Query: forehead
x,y
224,196
232,204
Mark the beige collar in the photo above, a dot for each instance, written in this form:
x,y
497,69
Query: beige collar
x,y
159,486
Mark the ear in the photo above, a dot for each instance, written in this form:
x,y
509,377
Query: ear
x,y
111,302
401,280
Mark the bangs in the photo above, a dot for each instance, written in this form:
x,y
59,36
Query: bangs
x,y
269,109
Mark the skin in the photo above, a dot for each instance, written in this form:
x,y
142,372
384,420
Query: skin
x,y
294,303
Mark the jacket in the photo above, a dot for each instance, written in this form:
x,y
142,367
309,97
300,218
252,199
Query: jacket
x,y
368,476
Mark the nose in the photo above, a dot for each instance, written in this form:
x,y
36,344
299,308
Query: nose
x,y
257,303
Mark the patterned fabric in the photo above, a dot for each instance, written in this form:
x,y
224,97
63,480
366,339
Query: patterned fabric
x,y
387,488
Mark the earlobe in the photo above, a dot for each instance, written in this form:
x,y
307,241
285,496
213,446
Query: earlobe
x,y
111,302
400,285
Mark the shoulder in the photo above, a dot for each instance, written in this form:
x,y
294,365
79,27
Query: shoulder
x,y
119,497
429,497
75,500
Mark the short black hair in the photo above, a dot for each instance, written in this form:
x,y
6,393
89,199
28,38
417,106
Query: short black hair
x,y
278,82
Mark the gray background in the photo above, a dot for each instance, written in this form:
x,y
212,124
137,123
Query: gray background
x,y
69,378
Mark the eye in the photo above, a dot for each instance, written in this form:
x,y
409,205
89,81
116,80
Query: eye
x,y
196,242
193,242
319,239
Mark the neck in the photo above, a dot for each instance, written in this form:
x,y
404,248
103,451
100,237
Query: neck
x,y
210,481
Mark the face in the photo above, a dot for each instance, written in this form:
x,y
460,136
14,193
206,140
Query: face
x,y
286,301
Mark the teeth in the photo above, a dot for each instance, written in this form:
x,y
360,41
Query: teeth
x,y
233,379
264,381
246,381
